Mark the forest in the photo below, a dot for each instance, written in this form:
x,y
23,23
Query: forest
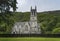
x,y
49,21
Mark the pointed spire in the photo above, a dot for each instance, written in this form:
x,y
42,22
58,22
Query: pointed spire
x,y
35,8
31,8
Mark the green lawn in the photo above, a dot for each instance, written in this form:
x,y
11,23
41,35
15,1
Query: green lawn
x,y
30,39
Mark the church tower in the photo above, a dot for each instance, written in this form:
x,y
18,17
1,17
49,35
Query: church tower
x,y
33,21
33,16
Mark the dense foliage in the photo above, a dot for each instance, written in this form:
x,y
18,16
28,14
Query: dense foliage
x,y
6,20
49,22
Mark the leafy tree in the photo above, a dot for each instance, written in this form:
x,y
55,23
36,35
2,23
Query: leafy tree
x,y
52,24
56,31
5,5
14,5
6,18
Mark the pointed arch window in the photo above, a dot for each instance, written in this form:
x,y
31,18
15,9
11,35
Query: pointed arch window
x,y
26,28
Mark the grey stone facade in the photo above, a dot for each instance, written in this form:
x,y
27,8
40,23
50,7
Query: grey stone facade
x,y
30,27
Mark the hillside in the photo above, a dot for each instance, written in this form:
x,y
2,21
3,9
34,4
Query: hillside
x,y
49,21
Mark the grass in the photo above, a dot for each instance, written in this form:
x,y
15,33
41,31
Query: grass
x,y
30,39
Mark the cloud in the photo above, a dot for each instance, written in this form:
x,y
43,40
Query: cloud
x,y
42,5
21,4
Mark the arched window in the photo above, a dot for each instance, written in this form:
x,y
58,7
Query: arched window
x,y
26,28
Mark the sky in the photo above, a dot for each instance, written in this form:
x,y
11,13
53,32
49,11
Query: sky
x,y
42,5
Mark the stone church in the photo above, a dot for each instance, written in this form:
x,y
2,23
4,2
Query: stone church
x,y
29,27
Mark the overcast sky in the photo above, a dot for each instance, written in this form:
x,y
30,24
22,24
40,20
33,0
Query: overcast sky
x,y
42,5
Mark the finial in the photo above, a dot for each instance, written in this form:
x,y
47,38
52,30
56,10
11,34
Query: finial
x,y
31,8
35,6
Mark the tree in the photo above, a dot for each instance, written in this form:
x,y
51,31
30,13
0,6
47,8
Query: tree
x,y
52,24
56,31
14,5
6,20
5,5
